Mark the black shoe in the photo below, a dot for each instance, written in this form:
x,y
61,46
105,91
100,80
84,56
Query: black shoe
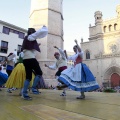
x,y
20,94
63,94
61,87
81,97
9,91
27,97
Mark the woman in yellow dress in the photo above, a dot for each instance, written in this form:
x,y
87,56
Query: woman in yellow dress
x,y
18,75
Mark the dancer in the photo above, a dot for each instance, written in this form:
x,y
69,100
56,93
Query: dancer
x,y
60,64
3,77
18,75
10,60
10,63
78,77
29,47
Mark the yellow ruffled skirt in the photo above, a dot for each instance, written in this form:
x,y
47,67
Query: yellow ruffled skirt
x,y
17,77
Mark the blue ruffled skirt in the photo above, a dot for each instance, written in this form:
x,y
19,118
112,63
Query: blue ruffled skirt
x,y
3,78
79,78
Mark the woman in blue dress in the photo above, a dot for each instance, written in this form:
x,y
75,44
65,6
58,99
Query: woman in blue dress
x,y
3,77
78,77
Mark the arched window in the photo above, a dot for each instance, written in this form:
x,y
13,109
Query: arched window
x,y
98,18
115,26
104,28
87,54
110,27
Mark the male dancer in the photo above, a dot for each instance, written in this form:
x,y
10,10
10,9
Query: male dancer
x,y
61,64
29,47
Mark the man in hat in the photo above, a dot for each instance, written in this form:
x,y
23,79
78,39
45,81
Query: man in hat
x,y
29,47
60,64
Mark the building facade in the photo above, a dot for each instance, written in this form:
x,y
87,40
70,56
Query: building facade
x,y
102,51
11,38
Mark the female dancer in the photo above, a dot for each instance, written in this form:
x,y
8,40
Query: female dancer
x,y
10,60
3,77
78,77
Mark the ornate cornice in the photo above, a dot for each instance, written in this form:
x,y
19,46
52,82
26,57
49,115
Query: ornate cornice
x,y
111,34
96,37
100,55
105,35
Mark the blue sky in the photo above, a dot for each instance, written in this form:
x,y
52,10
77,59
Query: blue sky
x,y
78,14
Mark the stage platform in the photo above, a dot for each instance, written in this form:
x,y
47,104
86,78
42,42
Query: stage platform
x,y
49,105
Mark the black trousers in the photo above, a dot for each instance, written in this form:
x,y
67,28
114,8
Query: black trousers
x,y
9,72
30,66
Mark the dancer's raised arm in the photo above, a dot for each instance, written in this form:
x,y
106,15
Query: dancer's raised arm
x,y
38,34
78,47
62,52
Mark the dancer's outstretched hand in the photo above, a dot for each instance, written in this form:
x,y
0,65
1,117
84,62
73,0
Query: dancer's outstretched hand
x,y
55,47
75,41
46,65
65,51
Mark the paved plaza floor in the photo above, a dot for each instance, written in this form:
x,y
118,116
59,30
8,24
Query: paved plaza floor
x,y
49,105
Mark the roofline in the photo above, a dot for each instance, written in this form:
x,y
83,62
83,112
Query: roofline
x,y
11,25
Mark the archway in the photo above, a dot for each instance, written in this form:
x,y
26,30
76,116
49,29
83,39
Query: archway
x,y
111,76
115,80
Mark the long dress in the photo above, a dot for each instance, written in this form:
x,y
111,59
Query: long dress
x,y
18,75
3,78
78,77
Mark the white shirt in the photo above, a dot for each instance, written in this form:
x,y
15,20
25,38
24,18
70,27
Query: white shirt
x,y
74,57
61,62
38,34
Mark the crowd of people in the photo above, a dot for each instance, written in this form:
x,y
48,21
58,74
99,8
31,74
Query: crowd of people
x,y
27,72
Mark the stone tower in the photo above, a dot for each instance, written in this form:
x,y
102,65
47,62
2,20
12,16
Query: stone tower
x,y
97,31
118,11
49,13
98,21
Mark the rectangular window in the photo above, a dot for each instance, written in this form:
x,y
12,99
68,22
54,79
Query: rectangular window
x,y
4,47
6,30
11,30
19,49
14,31
21,35
2,58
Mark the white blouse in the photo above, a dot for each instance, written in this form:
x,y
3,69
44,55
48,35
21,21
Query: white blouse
x,y
38,34
74,57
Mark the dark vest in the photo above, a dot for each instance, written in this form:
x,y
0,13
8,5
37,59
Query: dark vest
x,y
78,60
29,45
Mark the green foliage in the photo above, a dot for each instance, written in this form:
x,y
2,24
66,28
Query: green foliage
x,y
109,90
